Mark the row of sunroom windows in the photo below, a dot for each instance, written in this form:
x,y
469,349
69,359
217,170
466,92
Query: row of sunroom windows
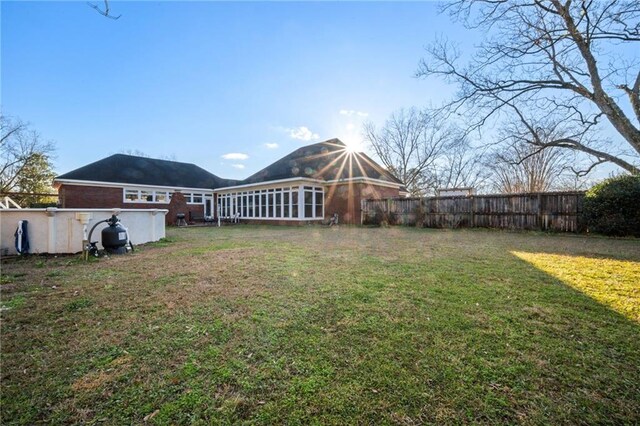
x,y
278,203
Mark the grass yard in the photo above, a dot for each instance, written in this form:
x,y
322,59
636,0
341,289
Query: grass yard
x,y
265,325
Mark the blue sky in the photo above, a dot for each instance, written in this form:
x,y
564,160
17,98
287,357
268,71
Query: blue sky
x,y
198,80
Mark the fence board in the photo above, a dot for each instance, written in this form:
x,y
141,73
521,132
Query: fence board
x,y
556,211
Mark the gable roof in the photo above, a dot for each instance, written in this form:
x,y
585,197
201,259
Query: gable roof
x,y
122,168
329,160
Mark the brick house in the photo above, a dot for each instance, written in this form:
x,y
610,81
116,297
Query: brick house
x,y
308,185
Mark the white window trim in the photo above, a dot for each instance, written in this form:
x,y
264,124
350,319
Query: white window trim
x,y
191,195
168,195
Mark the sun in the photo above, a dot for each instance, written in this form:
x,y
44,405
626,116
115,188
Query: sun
x,y
353,145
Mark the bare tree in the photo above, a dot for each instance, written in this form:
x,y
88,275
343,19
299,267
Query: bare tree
x,y
461,166
524,167
550,62
24,156
409,144
134,152
138,153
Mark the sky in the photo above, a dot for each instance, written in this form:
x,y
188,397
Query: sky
x,y
230,87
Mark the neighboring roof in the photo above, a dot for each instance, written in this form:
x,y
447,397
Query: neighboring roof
x,y
328,160
121,168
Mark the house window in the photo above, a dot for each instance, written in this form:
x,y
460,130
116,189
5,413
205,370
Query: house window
x,y
271,204
313,202
263,204
131,195
161,197
208,206
308,203
294,201
285,203
250,205
244,205
256,204
318,202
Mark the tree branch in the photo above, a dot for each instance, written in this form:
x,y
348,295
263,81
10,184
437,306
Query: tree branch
x,y
545,59
105,12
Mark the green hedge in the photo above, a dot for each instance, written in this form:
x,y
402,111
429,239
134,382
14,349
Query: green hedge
x,y
612,207
381,218
42,205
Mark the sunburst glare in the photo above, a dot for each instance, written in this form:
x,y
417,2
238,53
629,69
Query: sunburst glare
x,y
353,145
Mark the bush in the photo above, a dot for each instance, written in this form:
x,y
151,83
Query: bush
x,y
613,207
381,218
420,215
42,205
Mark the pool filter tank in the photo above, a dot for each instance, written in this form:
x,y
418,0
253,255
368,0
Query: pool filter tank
x,y
115,236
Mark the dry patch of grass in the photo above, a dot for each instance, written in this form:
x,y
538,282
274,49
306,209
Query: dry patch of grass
x,y
266,325
98,379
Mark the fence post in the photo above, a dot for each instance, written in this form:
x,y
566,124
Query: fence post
x,y
540,211
579,200
472,212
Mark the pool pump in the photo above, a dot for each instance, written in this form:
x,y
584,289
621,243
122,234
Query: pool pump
x,y
115,238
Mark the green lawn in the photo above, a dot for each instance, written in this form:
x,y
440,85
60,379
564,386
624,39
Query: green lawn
x,y
343,325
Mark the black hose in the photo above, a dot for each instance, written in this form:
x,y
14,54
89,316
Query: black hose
x,y
110,220
94,227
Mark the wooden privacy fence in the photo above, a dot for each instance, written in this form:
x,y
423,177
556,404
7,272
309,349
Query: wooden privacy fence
x,y
555,211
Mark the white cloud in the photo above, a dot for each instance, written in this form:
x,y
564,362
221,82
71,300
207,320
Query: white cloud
x,y
238,166
235,156
271,145
351,126
350,112
302,133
